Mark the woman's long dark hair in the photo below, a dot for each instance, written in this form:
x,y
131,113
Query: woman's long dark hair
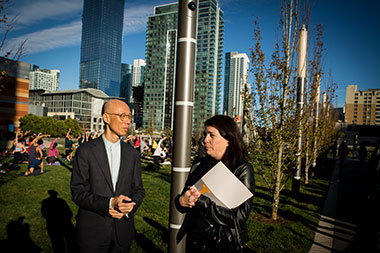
x,y
236,152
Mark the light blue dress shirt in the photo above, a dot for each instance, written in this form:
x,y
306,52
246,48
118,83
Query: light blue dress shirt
x,y
113,154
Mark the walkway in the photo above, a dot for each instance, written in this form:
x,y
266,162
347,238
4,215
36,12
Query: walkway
x,y
349,222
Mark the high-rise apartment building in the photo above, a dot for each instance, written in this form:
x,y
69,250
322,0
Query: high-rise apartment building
x,y
138,105
160,59
137,96
126,82
44,79
160,54
210,34
138,72
102,29
362,107
235,79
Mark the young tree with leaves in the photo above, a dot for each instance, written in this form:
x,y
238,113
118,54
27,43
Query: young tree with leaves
x,y
272,146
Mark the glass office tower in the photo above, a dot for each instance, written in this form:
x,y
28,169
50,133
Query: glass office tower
x,y
102,30
160,59
126,82
235,80
207,91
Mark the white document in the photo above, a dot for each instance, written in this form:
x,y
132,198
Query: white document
x,y
223,187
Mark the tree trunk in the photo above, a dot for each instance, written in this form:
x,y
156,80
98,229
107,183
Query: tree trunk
x,y
307,166
277,188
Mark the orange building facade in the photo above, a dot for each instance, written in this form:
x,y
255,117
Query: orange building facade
x,y
14,96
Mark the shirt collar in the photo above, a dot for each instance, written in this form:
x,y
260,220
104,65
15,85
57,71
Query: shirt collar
x,y
110,144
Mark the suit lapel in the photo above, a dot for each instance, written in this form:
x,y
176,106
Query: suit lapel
x,y
102,159
124,159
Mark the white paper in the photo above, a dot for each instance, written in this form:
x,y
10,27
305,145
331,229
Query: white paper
x,y
223,187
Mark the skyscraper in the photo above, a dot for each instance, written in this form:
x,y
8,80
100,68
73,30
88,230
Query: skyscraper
x,y
160,56
207,90
102,29
44,79
137,95
160,59
126,82
138,72
235,77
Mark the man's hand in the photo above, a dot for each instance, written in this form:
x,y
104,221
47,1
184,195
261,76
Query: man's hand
x,y
122,203
115,214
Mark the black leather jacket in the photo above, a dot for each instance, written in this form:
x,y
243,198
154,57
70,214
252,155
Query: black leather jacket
x,y
206,213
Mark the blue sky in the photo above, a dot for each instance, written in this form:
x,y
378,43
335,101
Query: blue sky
x,y
53,32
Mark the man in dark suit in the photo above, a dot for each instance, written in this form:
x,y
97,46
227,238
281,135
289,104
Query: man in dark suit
x,y
106,185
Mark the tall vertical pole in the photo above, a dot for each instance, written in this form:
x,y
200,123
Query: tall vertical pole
x,y
316,119
324,102
183,112
301,80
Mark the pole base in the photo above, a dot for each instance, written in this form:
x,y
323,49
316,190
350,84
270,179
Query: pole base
x,y
296,187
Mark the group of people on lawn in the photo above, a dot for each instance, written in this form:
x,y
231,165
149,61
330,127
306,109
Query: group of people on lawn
x,y
35,150
106,184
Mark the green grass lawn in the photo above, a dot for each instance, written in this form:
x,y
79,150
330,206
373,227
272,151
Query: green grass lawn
x,y
22,196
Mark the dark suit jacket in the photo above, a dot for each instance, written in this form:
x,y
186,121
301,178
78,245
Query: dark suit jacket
x,y
91,189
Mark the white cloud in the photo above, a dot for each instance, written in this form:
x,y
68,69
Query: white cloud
x,y
52,38
32,12
135,19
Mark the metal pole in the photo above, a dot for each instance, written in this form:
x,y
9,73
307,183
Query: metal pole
x,y
183,112
301,80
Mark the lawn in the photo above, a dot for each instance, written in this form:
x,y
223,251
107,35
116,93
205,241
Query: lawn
x,y
22,196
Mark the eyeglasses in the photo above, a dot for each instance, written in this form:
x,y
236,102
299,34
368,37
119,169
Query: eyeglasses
x,y
123,116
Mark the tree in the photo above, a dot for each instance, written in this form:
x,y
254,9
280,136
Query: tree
x,y
272,150
168,131
74,125
273,144
49,125
6,26
13,52
327,132
318,125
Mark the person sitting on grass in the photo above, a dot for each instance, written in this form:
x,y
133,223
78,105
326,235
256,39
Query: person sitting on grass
x,y
42,146
69,146
19,152
35,156
53,153
157,155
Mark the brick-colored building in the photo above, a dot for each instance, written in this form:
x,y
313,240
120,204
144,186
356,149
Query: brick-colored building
x,y
13,105
362,107
14,96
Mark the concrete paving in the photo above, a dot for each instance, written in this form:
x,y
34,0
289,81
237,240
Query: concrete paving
x,y
349,220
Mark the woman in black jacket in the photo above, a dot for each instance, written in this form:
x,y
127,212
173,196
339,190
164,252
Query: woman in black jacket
x,y
210,227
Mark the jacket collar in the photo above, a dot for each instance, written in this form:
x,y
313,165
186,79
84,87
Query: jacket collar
x,y
101,158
